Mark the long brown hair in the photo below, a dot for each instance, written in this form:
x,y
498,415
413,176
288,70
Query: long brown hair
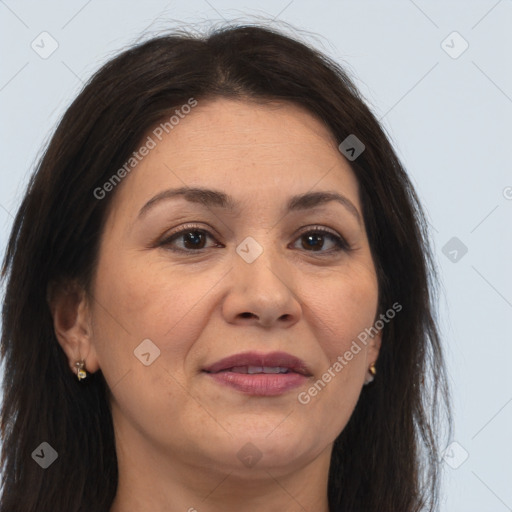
x,y
387,457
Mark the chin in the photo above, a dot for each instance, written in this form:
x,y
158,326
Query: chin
x,y
267,448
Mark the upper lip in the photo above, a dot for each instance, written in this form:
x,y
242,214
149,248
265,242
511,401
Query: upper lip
x,y
272,359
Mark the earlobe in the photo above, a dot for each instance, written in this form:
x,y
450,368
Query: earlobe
x,y
71,321
374,349
373,355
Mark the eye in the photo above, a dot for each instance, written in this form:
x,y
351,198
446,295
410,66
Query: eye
x,y
193,239
313,239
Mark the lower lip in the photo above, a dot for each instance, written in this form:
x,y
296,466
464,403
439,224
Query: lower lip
x,y
261,384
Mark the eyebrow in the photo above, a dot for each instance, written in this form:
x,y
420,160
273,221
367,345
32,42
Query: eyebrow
x,y
215,198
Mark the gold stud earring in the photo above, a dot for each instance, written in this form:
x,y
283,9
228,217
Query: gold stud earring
x,y
80,371
373,372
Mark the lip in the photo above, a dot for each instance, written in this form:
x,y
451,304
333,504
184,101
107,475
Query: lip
x,y
274,359
268,384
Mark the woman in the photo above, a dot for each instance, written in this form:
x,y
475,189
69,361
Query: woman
x,y
217,255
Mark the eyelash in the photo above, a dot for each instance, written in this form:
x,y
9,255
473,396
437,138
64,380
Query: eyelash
x,y
340,243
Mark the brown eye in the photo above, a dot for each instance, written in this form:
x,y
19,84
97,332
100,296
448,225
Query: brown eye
x,y
191,239
314,241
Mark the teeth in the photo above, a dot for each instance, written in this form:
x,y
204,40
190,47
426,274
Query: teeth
x,y
239,369
259,369
277,369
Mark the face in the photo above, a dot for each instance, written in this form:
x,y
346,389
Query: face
x,y
183,283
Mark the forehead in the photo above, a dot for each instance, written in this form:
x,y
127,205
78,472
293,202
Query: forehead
x,y
253,151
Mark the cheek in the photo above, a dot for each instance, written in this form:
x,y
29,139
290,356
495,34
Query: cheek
x,y
137,299
345,306
344,309
139,302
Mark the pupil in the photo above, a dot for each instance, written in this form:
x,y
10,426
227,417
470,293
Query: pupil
x,y
193,237
313,238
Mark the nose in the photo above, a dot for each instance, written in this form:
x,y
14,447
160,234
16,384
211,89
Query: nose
x,y
261,293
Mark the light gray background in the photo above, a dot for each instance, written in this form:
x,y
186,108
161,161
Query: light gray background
x,y
449,119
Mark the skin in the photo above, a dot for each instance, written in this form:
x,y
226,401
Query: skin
x,y
177,431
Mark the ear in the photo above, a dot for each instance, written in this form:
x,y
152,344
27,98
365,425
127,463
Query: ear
x,y
374,347
71,320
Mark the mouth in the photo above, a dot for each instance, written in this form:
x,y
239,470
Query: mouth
x,y
255,362
260,374
252,370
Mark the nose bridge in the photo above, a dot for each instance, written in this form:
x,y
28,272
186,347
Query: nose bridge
x,y
261,280
261,254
